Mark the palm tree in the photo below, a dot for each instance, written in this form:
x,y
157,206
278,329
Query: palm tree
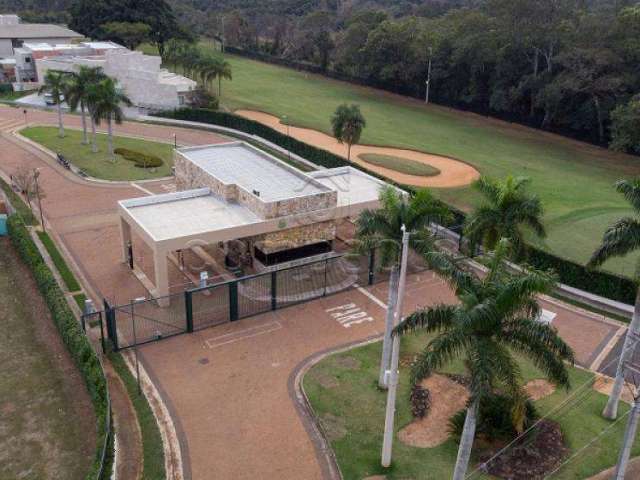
x,y
619,239
77,92
381,229
347,123
55,83
223,70
496,316
107,100
508,207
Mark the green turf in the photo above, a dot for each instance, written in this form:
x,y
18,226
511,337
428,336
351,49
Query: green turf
x,y
100,165
399,164
58,260
41,434
351,409
575,180
153,450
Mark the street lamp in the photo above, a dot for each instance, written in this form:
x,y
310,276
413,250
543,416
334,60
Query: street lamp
x,y
285,120
175,140
36,174
25,115
426,95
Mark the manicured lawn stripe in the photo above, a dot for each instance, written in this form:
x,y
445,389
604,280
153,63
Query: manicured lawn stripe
x,y
58,260
100,165
402,165
153,451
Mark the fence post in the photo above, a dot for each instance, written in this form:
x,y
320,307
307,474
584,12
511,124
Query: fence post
x,y
372,264
274,290
188,309
112,329
233,301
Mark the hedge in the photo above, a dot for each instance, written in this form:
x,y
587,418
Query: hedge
x,y
21,208
141,160
69,328
58,260
605,284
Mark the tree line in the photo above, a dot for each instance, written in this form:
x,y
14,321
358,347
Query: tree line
x,y
569,66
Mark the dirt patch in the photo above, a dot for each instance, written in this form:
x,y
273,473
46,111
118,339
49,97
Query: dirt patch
x,y
333,426
350,363
453,173
605,384
447,397
324,379
539,388
530,459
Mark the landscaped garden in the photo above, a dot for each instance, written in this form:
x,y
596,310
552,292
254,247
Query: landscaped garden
x,y
344,394
101,165
399,164
574,180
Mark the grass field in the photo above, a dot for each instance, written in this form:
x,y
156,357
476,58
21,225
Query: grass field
x,y
575,180
402,165
100,165
343,392
47,427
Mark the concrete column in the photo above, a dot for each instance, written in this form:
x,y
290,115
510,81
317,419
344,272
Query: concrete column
x,y
161,270
125,237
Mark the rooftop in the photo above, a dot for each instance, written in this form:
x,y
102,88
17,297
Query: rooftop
x,y
253,170
190,212
353,185
37,30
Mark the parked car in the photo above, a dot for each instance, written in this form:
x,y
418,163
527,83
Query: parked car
x,y
48,99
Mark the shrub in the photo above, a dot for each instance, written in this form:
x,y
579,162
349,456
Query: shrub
x,y
141,160
495,421
67,325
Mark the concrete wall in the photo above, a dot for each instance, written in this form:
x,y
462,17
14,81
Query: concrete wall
x,y
6,48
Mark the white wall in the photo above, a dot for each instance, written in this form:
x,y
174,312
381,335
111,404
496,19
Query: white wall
x,y
6,50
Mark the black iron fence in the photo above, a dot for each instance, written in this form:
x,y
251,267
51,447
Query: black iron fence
x,y
148,320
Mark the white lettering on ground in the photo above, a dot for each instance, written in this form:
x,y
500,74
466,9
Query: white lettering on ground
x,y
349,314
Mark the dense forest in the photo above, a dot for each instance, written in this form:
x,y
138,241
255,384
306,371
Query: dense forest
x,y
571,66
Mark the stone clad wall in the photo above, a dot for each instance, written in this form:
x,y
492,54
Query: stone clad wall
x,y
296,237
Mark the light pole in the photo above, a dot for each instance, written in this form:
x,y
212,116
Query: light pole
x,y
25,115
175,140
135,340
285,120
426,95
222,35
387,441
36,174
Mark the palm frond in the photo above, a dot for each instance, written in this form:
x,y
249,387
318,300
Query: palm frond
x,y
438,352
630,189
449,267
619,239
432,319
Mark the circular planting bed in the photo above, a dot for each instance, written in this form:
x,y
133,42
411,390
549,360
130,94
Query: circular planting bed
x,y
399,164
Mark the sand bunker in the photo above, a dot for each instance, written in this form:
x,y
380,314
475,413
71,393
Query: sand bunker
x,y
605,384
447,397
453,173
539,388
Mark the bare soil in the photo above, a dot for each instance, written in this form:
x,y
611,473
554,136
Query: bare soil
x,y
539,388
447,397
47,426
453,173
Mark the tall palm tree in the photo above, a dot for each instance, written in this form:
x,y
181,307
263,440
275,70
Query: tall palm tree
x,y
108,98
496,316
55,83
77,92
619,239
223,71
347,123
381,229
507,208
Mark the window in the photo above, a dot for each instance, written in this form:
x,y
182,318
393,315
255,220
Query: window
x,y
16,43
27,59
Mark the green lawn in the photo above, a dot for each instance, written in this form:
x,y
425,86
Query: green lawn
x,y
574,179
47,429
343,392
58,260
402,165
99,165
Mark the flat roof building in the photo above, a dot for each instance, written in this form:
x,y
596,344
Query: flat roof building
x,y
13,34
234,192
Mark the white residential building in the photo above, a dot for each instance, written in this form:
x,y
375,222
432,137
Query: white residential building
x,y
13,34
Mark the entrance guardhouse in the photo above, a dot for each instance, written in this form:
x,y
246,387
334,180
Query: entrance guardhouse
x,y
234,191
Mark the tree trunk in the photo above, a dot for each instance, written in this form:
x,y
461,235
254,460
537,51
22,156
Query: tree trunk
x,y
466,442
388,327
219,87
85,140
596,102
611,409
60,126
348,152
629,438
110,136
536,66
94,146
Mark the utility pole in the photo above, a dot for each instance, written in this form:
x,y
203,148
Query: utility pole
x,y
634,416
426,95
36,174
222,34
387,441
383,380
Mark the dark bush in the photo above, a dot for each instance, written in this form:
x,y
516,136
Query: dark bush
x,y
420,401
68,326
495,421
141,160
